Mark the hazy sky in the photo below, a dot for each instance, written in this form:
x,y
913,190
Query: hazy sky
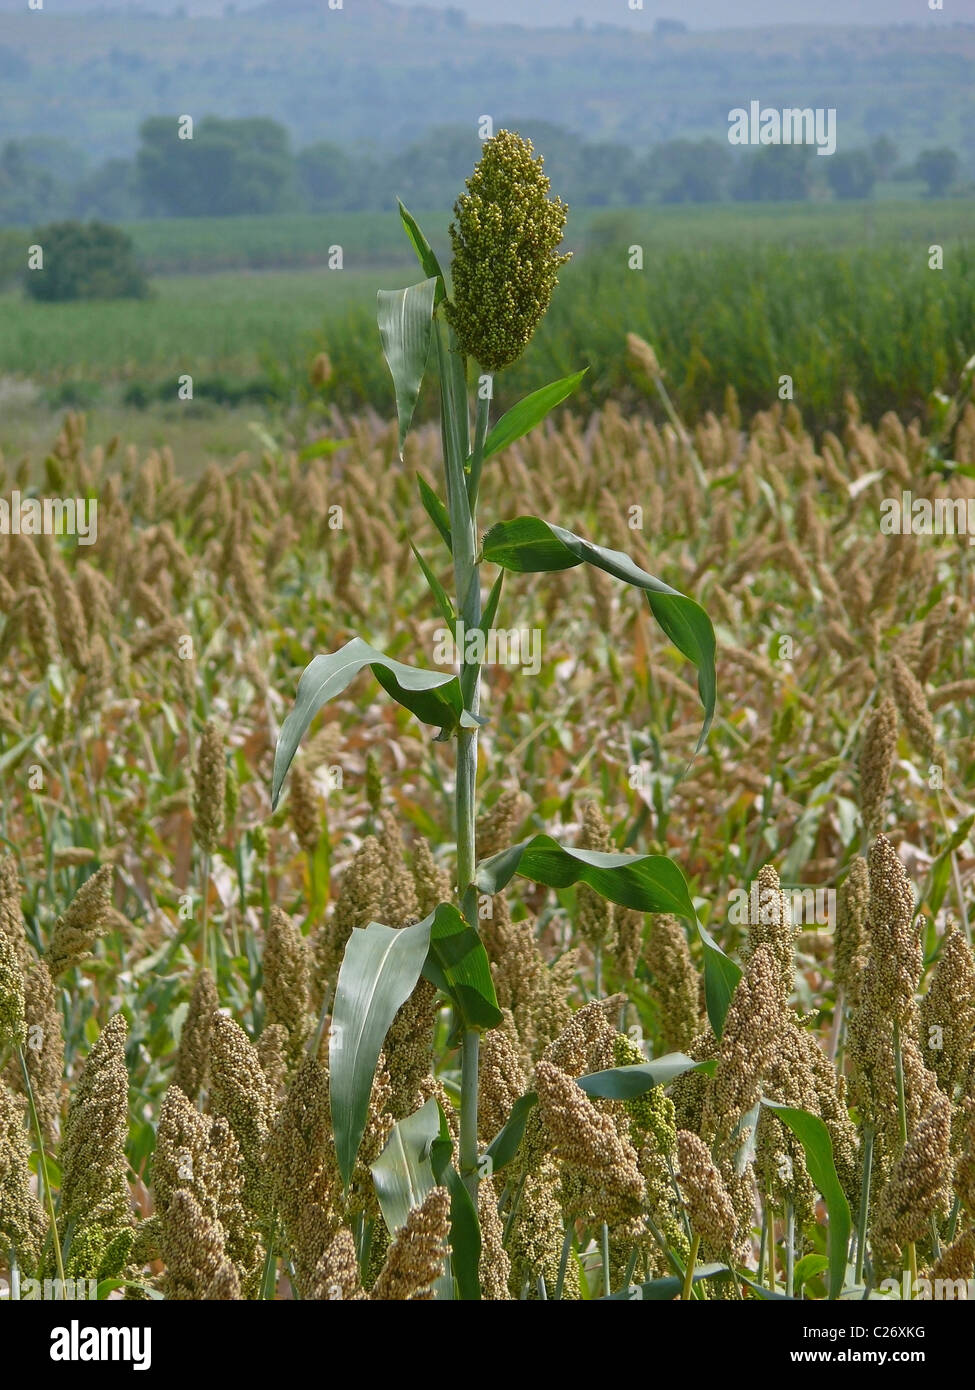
x,y
706,14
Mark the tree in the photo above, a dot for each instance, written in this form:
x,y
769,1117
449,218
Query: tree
x,y
938,168
690,171
884,153
851,174
228,167
777,174
85,260
331,180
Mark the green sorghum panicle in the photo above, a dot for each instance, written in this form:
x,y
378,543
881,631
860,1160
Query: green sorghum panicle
x,y
209,789
505,265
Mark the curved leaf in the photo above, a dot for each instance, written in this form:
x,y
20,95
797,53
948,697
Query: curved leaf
x,y
666,1288
818,1149
721,976
529,412
433,696
403,1173
646,882
435,510
505,1143
424,252
625,1083
405,319
378,973
458,964
530,545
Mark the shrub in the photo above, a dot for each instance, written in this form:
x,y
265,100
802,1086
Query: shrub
x,y
85,261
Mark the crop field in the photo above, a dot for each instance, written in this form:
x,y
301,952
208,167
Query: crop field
x,y
735,297
506,845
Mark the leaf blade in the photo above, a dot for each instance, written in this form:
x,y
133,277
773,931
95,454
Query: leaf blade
x,y
529,412
405,319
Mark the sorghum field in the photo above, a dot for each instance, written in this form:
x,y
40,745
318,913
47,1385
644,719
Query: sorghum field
x,y
696,1026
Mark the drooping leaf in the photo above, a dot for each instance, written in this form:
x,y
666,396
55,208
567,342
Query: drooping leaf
x,y
666,1288
818,1149
721,976
405,319
530,545
433,696
505,1143
378,973
458,964
529,412
646,882
435,510
625,1083
403,1173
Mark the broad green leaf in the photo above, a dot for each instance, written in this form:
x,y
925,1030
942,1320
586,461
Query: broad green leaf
x,y
378,973
530,545
403,1173
666,1288
505,1143
433,696
809,1267
721,976
424,251
435,510
465,1230
436,588
818,1149
458,964
405,319
625,1083
646,882
529,412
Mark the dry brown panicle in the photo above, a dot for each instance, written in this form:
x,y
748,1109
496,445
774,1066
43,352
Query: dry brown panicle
x,y
89,916
416,1256
286,981
193,1054
947,1013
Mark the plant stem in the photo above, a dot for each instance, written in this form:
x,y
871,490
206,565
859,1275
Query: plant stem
x,y
901,1097
205,894
688,1288
42,1174
790,1249
864,1200
607,1276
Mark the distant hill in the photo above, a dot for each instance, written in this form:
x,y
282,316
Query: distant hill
x,y
381,74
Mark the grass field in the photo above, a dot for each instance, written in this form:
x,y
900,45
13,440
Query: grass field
x,y
836,297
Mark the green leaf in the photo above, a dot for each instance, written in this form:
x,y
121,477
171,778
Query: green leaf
x,y
424,252
436,588
491,607
529,412
505,1143
405,319
403,1173
646,882
458,964
625,1083
530,545
818,1149
465,1230
322,448
809,1267
378,973
666,1288
721,976
435,510
433,696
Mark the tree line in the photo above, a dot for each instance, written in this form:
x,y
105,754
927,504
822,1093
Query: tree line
x,y
229,167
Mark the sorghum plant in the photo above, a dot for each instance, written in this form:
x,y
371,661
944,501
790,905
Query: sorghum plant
x,y
505,236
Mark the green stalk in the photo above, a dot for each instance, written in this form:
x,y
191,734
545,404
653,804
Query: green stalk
x,y
42,1175
790,1249
205,893
688,1288
607,1276
771,1239
864,1200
